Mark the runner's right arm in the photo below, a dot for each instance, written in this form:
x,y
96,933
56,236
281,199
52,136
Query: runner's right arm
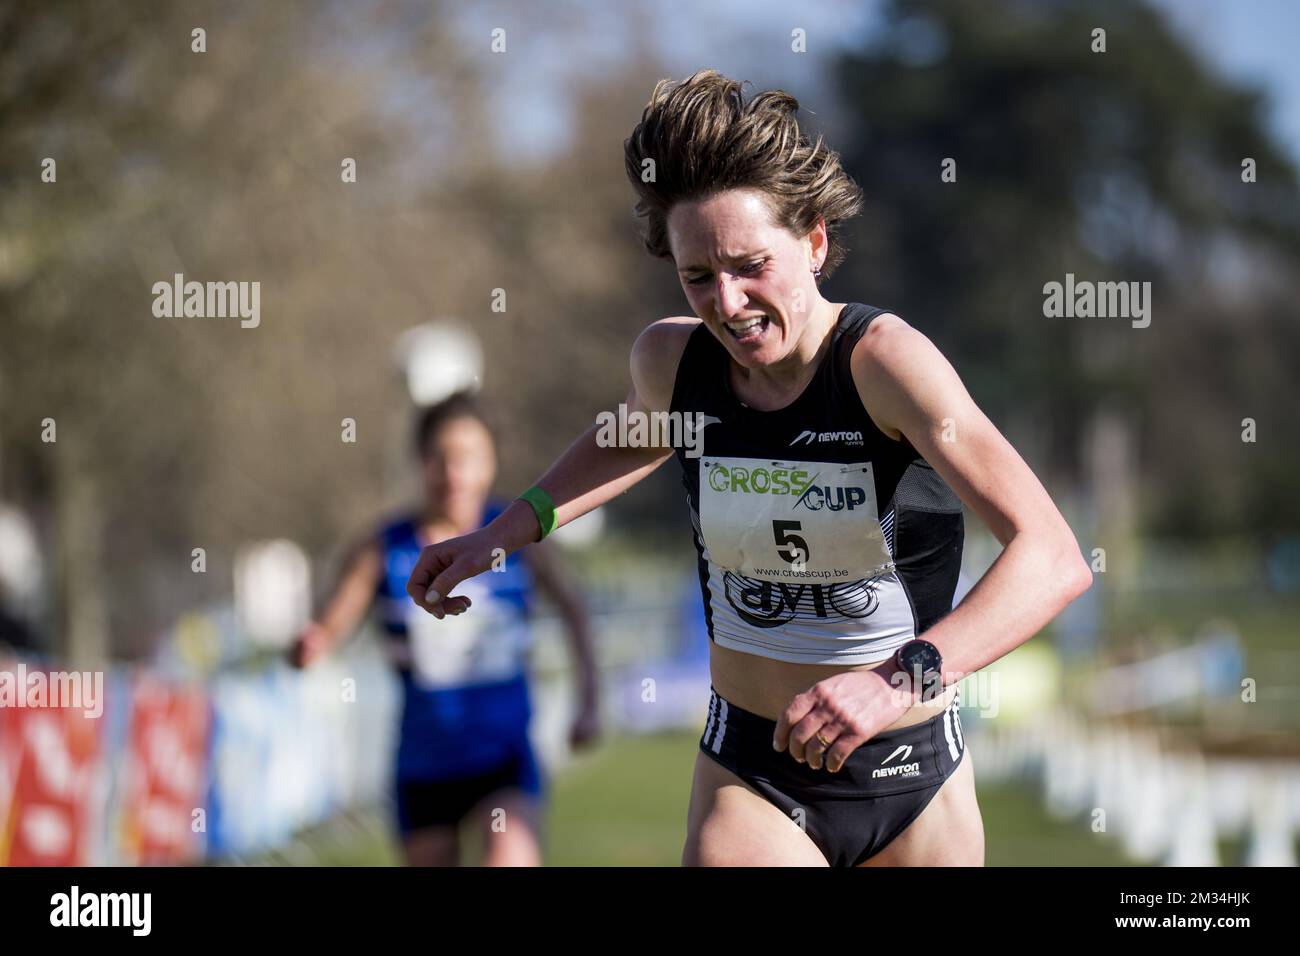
x,y
585,477
347,604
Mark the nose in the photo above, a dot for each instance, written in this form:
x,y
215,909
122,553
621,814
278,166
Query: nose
x,y
731,296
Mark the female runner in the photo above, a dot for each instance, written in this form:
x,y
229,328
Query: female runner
x,y
464,752
834,449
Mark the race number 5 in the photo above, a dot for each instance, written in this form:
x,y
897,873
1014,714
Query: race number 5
x,y
791,547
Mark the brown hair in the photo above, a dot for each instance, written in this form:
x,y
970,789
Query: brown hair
x,y
704,138
459,405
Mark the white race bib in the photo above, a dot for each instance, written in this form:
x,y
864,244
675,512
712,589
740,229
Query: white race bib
x,y
792,520
477,646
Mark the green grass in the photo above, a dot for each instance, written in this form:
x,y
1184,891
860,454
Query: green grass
x,y
1266,624
625,805
1017,832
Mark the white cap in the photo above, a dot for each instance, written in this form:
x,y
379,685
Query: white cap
x,y
440,359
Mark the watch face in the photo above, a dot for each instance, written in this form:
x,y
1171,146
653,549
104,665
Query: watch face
x,y
920,656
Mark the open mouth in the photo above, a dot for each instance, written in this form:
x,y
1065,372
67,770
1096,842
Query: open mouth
x,y
748,330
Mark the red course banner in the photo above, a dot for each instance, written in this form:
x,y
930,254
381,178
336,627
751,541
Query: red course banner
x,y
166,774
49,772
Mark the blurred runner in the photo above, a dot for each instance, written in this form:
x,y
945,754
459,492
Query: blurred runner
x,y
464,750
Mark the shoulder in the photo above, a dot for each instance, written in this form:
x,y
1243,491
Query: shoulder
x,y
392,525
885,334
656,354
894,365
367,550
398,531
663,342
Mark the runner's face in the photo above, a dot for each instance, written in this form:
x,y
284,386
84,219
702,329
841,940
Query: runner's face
x,y
735,265
459,466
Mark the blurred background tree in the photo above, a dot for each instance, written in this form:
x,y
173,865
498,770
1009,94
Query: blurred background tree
x,y
1122,166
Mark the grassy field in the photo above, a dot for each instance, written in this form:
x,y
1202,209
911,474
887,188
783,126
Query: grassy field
x,y
625,805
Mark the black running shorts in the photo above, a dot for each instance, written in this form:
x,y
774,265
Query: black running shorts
x,y
854,813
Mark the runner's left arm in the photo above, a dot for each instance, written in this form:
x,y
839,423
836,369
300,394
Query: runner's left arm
x,y
347,604
909,386
557,584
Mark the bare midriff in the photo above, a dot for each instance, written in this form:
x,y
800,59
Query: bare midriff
x,y
766,687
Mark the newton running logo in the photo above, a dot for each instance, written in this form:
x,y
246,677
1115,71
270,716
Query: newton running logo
x,y
807,437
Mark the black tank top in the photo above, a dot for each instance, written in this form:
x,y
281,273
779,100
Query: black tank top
x,y
821,540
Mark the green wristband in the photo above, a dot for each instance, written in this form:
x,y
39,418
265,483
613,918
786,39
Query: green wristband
x,y
543,507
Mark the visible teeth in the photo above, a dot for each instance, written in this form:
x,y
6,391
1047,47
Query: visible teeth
x,y
746,325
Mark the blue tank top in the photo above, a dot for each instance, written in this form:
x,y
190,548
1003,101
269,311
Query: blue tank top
x,y
466,704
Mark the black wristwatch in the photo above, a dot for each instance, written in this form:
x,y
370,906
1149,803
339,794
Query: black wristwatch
x,y
921,660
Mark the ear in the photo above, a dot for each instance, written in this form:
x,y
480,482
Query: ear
x,y
818,242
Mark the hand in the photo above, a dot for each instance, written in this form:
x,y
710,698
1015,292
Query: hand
x,y
847,710
446,564
586,726
309,646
